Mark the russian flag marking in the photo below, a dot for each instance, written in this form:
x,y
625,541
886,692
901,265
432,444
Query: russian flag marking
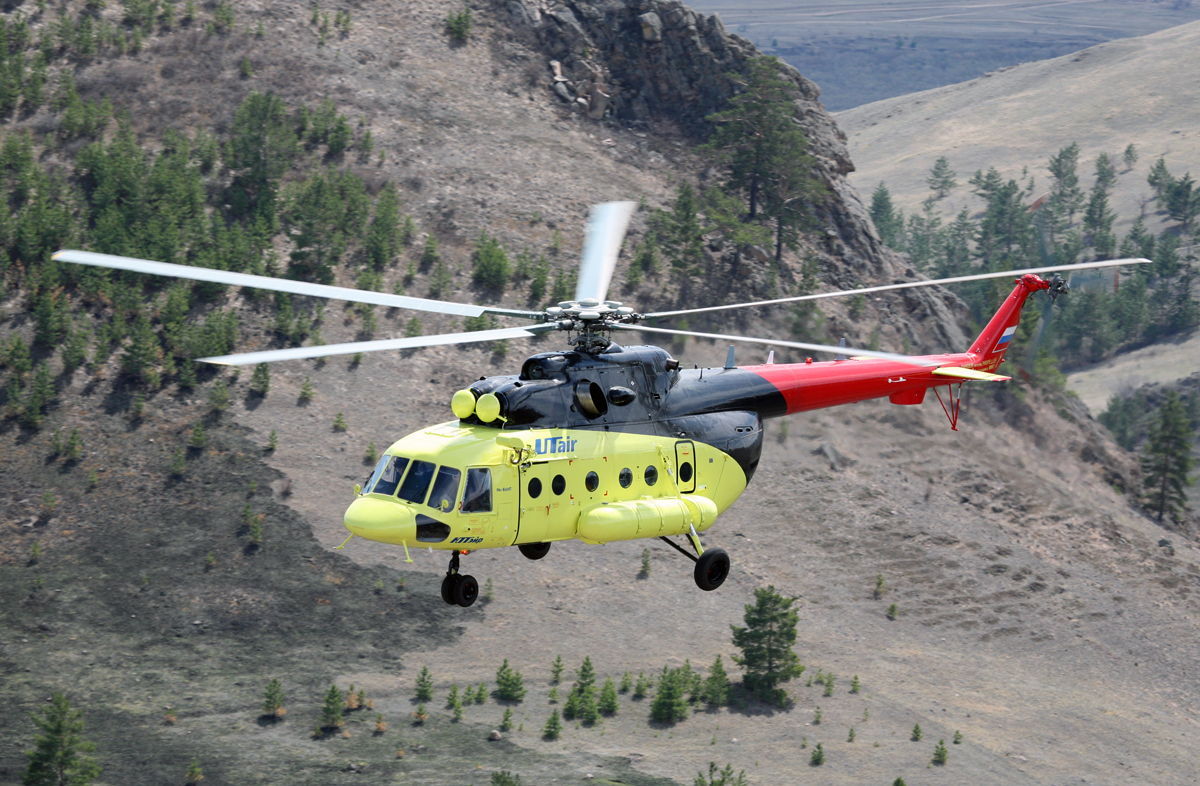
x,y
1005,337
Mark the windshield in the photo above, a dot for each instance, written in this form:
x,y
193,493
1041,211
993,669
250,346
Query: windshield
x,y
390,477
417,482
383,463
445,489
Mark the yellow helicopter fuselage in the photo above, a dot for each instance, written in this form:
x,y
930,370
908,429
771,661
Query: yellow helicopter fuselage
x,y
456,486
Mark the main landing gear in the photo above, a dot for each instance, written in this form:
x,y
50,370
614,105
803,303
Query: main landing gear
x,y
457,588
712,565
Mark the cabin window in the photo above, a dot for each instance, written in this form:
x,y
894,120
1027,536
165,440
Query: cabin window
x,y
477,496
389,479
445,489
626,478
685,472
651,475
417,482
558,485
535,488
375,473
592,481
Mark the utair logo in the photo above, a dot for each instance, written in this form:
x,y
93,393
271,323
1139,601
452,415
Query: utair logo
x,y
467,540
554,445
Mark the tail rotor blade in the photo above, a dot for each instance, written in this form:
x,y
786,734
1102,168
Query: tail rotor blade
x,y
606,230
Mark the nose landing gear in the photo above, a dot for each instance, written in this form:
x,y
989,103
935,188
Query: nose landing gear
x,y
712,565
458,589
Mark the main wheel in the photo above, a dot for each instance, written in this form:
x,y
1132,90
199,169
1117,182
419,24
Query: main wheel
x,y
712,569
448,585
466,591
534,550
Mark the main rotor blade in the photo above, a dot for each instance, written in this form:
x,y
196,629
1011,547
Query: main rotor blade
x,y
871,353
606,230
284,285
327,350
906,285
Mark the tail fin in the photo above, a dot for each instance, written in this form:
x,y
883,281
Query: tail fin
x,y
989,348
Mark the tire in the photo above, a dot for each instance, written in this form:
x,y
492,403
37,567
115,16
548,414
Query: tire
x,y
448,585
712,569
534,550
466,591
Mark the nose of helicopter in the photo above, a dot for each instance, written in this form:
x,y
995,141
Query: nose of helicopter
x,y
381,521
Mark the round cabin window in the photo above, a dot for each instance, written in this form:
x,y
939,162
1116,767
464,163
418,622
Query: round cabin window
x,y
535,488
685,472
626,478
592,481
558,485
651,475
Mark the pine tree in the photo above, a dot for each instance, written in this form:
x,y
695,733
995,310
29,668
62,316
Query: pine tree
x,y
556,670
917,733
720,777
260,380
889,221
553,726
669,704
756,135
716,685
941,177
58,757
642,686
1106,172
384,236
766,644
273,699
608,704
940,754
1167,459
331,710
510,686
818,756
195,773
581,701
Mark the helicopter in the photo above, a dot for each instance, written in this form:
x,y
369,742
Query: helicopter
x,y
601,442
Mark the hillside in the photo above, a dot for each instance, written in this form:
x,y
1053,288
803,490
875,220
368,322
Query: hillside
x,y
862,51
1038,612
1139,91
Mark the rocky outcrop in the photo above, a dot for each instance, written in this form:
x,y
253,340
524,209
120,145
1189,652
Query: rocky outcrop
x,y
637,60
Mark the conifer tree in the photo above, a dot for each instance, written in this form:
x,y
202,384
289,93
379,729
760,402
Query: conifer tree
x,y
720,777
331,710
608,704
260,380
553,726
756,133
941,177
1167,459
889,221
273,699
669,704
766,644
59,755
510,686
384,236
716,685
556,669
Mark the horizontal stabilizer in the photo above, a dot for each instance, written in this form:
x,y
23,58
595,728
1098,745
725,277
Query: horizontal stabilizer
x,y
969,373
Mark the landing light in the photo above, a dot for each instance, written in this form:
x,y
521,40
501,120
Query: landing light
x,y
487,407
463,404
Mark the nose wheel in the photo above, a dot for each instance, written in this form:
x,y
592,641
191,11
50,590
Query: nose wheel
x,y
457,589
712,565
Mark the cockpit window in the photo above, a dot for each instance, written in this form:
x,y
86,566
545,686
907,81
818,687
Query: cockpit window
x,y
379,468
390,477
445,489
477,496
417,483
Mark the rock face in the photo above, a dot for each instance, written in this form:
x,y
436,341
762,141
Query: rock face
x,y
638,60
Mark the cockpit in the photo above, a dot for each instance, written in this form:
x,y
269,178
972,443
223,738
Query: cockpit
x,y
436,490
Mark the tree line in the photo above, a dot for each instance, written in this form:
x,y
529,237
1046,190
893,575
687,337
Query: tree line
x,y
1018,226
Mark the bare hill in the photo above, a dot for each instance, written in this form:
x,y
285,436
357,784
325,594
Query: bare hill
x,y
1142,91
1037,612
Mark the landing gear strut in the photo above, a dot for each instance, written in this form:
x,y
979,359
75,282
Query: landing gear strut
x,y
458,589
712,565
